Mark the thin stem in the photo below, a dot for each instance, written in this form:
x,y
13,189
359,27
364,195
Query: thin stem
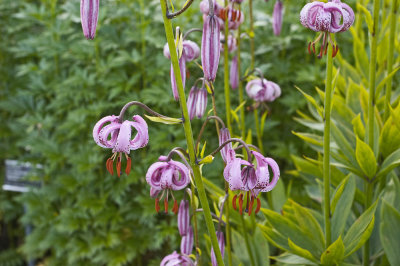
x,y
258,131
177,13
250,146
392,34
226,76
211,7
371,107
214,107
246,240
196,233
246,147
213,215
252,71
327,143
240,87
217,118
141,105
178,151
190,31
251,34
189,135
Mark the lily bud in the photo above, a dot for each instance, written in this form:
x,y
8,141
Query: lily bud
x,y
89,17
183,218
234,74
187,242
221,244
210,48
277,17
197,102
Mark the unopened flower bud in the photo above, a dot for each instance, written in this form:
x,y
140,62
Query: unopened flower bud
x,y
221,244
183,217
234,74
89,17
277,17
210,48
187,242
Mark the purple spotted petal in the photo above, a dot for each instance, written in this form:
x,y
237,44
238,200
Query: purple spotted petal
x,y
183,217
187,242
221,244
276,173
234,74
176,259
210,48
348,16
112,119
277,17
227,152
154,192
336,11
179,182
153,175
89,17
142,137
261,171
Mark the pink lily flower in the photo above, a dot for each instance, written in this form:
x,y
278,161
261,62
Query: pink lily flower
x,y
116,135
89,17
251,180
176,259
167,176
262,90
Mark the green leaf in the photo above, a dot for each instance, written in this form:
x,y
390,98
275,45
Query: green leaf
x,y
164,120
367,15
390,232
334,254
310,138
300,251
358,127
311,100
206,160
291,259
389,139
360,231
341,205
365,158
390,163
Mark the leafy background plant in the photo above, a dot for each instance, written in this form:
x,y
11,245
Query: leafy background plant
x,y
55,85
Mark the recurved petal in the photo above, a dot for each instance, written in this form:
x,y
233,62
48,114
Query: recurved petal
x,y
348,16
89,17
99,126
192,50
112,131
153,175
234,174
142,136
276,173
154,192
181,182
337,15
123,143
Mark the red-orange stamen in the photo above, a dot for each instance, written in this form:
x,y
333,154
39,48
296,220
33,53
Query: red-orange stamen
x,y
119,166
241,204
128,166
258,206
234,202
157,205
166,204
251,205
110,166
175,208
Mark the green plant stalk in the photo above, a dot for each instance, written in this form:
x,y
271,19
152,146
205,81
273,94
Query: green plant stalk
x,y
371,110
392,34
195,230
251,34
327,144
258,131
240,87
226,76
246,240
189,135
228,122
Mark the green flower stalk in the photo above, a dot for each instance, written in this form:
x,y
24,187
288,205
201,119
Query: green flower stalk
x,y
189,135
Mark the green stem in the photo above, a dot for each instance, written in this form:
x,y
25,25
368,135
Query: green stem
x,y
258,131
240,87
368,200
327,144
246,240
251,34
371,108
196,232
189,135
392,35
226,76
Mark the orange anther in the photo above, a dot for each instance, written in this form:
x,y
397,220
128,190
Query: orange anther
x,y
119,167
234,202
157,205
175,208
251,205
258,206
110,166
166,204
128,166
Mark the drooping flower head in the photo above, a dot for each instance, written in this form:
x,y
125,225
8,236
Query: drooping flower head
x,y
277,17
331,17
197,102
210,47
113,134
227,152
176,259
89,17
167,176
221,244
262,90
250,179
190,51
234,16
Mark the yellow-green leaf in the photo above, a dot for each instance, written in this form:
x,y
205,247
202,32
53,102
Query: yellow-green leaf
x,y
334,254
164,120
206,160
365,158
300,251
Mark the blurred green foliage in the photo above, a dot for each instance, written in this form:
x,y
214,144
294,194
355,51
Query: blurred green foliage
x,y
55,85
